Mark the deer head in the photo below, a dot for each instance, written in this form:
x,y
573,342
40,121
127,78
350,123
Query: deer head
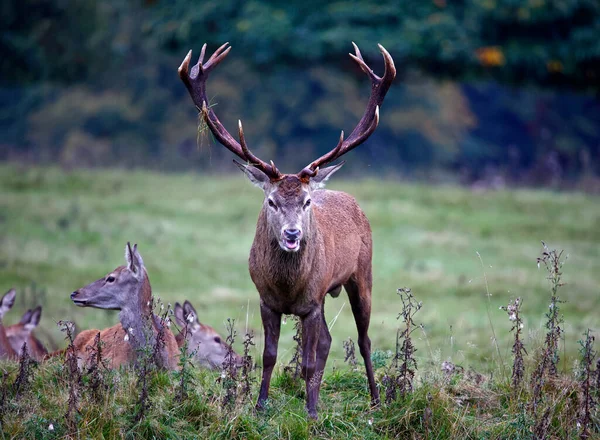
x,y
287,202
6,302
20,333
207,345
119,288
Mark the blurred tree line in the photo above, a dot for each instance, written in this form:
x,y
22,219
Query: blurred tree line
x,y
486,88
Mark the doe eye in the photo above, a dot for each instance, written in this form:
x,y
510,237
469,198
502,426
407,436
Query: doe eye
x,y
217,340
110,279
307,203
272,204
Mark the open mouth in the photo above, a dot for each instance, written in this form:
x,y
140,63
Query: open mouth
x,y
291,245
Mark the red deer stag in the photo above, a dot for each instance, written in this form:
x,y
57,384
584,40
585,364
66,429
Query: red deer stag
x,y
209,348
127,288
22,333
309,241
6,302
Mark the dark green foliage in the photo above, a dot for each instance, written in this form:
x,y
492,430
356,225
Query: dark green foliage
x,y
290,80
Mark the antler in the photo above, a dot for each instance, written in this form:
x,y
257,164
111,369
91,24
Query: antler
x,y
195,81
368,123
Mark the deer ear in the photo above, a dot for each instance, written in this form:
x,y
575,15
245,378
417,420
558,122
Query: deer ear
x,y
179,316
26,317
33,318
256,176
7,301
134,259
189,312
323,176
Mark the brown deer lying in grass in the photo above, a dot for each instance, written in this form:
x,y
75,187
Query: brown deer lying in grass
x,y
22,333
127,288
6,302
207,345
309,241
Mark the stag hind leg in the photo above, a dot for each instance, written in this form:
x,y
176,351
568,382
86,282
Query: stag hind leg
x,y
359,294
272,326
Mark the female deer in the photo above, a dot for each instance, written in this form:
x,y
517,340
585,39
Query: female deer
x,y
209,348
127,288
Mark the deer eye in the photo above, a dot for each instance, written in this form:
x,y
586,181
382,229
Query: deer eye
x,y
307,203
217,340
272,204
110,279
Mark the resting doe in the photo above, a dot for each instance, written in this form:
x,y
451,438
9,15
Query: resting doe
x,y
127,288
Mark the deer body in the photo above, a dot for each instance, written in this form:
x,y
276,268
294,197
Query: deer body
x,y
338,244
309,241
127,288
6,302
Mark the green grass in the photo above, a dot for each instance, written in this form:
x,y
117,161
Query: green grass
x,y
62,230
457,408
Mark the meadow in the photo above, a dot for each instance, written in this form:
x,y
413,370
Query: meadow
x,y
464,254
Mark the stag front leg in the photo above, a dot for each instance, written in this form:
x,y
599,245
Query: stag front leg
x,y
272,325
311,329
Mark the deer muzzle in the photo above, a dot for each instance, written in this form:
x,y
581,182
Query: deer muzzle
x,y
291,239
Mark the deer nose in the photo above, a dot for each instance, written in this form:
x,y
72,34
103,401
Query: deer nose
x,y
74,294
292,234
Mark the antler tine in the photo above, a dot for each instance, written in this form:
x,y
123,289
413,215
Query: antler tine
x,y
370,119
195,81
269,170
312,169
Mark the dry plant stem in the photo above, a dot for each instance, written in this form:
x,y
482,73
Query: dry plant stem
x,y
587,402
513,309
229,376
350,350
97,382
295,363
73,377
247,367
488,304
400,375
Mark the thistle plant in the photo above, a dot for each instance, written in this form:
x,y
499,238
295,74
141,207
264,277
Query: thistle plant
x,y
584,421
295,365
401,372
229,374
513,309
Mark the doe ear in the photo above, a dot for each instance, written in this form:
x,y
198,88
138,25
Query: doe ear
x,y
33,319
7,301
134,259
179,315
256,176
323,175
189,311
26,317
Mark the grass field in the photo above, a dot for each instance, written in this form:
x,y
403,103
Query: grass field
x,y
61,230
